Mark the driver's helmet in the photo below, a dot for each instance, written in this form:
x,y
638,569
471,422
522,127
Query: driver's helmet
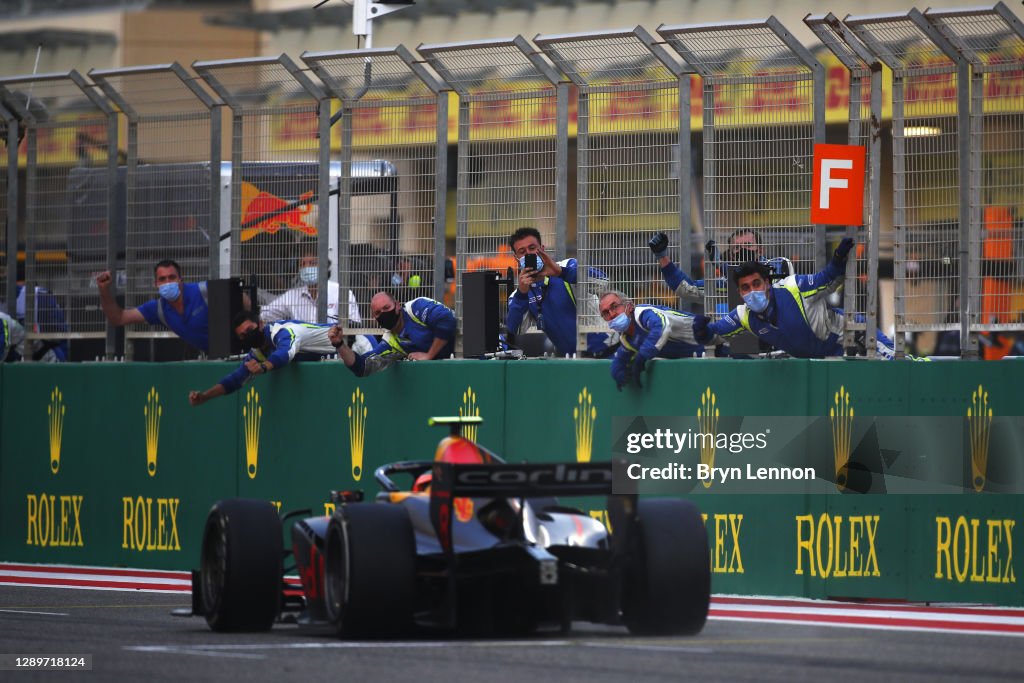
x,y
453,449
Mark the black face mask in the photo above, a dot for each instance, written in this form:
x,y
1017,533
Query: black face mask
x,y
388,319
738,255
252,339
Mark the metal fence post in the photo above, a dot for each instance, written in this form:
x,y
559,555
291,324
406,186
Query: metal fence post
x,y
931,222
393,152
508,174
763,112
71,217
279,211
9,192
628,179
991,42
865,114
171,187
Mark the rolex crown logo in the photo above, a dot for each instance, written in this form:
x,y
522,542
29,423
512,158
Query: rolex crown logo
x,y
841,416
584,415
252,413
153,411
707,421
469,409
55,411
979,423
357,431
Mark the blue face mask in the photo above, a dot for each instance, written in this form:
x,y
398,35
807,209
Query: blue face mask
x,y
170,291
620,323
308,275
757,301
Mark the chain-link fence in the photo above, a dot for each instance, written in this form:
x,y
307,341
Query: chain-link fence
x,y
512,155
860,294
171,179
393,141
632,165
930,213
72,209
280,184
763,106
992,41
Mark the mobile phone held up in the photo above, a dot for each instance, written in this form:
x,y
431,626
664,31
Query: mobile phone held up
x,y
532,261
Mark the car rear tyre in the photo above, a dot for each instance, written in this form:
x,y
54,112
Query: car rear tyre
x,y
668,582
370,577
241,565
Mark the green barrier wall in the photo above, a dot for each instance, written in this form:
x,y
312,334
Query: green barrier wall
x,y
107,464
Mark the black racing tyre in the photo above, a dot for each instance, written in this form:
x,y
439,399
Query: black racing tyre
x,y
668,580
241,565
370,573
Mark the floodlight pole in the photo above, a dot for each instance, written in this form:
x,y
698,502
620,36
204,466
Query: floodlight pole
x,y
365,11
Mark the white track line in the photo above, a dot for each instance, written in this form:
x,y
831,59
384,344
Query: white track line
x,y
45,614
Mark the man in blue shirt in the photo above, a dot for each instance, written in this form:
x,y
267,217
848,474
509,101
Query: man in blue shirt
x,y
421,329
646,332
792,315
271,346
181,307
545,295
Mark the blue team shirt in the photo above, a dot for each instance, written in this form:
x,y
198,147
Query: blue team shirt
x,y
193,325
424,320
552,305
784,324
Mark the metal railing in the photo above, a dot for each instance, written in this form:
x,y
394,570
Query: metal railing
x,y
992,42
70,143
171,178
860,293
632,165
930,109
391,203
280,166
512,151
763,106
701,131
9,138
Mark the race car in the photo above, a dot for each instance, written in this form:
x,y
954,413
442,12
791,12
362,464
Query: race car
x,y
472,545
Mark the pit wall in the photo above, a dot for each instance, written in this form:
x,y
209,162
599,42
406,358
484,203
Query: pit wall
x,y
107,464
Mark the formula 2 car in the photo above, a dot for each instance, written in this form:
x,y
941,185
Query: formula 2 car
x,y
473,546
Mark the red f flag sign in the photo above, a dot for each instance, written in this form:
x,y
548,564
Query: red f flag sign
x,y
837,194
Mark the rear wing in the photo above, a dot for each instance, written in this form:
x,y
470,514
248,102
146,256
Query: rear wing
x,y
526,481
452,481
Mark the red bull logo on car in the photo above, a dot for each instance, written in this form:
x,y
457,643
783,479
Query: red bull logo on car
x,y
265,212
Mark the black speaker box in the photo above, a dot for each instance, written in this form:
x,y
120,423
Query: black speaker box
x,y
479,313
225,302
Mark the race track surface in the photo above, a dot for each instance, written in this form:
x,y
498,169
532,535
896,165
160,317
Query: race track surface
x,y
132,636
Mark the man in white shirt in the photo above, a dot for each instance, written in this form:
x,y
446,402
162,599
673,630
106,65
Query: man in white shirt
x,y
299,303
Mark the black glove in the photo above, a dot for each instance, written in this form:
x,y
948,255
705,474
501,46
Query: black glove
x,y
700,328
711,249
659,244
842,251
